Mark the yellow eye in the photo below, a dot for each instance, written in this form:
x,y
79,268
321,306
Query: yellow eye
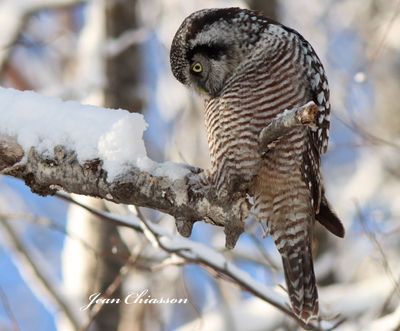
x,y
197,67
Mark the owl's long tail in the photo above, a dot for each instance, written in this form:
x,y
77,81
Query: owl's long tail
x,y
300,279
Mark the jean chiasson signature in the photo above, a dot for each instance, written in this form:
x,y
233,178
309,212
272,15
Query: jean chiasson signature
x,y
142,297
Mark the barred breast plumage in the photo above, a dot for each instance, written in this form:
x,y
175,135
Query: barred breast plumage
x,y
249,70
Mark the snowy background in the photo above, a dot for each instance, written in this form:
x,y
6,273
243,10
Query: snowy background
x,y
81,50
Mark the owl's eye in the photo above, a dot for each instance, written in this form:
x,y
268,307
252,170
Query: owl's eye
x,y
197,68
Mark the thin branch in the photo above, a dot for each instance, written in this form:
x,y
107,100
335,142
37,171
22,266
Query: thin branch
x,y
8,310
105,216
388,300
381,43
337,324
196,310
267,259
372,237
21,14
190,252
365,134
50,224
114,286
30,263
217,263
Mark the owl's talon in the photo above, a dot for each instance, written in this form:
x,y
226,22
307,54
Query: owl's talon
x,y
184,226
196,187
232,233
193,169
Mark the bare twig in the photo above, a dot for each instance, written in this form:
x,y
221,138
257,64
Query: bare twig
x,y
385,263
112,288
389,298
108,217
8,310
45,222
337,324
381,43
21,14
190,252
196,310
36,272
218,264
271,264
365,134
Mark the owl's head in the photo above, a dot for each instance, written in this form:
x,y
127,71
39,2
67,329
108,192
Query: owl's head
x,y
210,45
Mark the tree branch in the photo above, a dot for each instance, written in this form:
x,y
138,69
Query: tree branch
x,y
21,14
283,123
187,251
11,152
46,175
35,270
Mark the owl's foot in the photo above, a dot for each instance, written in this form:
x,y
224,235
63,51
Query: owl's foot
x,y
198,185
232,233
234,226
220,207
196,190
184,226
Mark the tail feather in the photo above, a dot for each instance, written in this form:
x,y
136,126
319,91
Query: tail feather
x,y
329,219
300,281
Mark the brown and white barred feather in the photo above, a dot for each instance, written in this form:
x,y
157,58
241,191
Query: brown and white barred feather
x,y
280,70
287,188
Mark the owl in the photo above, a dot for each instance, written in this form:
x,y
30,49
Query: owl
x,y
249,69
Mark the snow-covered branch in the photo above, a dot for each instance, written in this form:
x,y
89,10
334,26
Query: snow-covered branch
x,y
88,150
184,251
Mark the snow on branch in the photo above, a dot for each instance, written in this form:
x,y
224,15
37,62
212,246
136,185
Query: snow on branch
x,y
54,145
184,251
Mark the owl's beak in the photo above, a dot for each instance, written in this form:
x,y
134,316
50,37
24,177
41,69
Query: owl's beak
x,y
200,90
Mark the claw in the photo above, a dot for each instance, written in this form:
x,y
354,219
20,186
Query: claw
x,y
233,230
184,227
196,186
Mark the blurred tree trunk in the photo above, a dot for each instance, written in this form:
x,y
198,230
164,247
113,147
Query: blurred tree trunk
x,y
121,91
95,272
123,86
88,271
268,7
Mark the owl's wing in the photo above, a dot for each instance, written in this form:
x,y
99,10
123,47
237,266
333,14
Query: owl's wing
x,y
329,219
318,143
320,96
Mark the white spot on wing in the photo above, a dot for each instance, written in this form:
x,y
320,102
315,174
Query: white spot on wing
x,y
321,97
317,79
